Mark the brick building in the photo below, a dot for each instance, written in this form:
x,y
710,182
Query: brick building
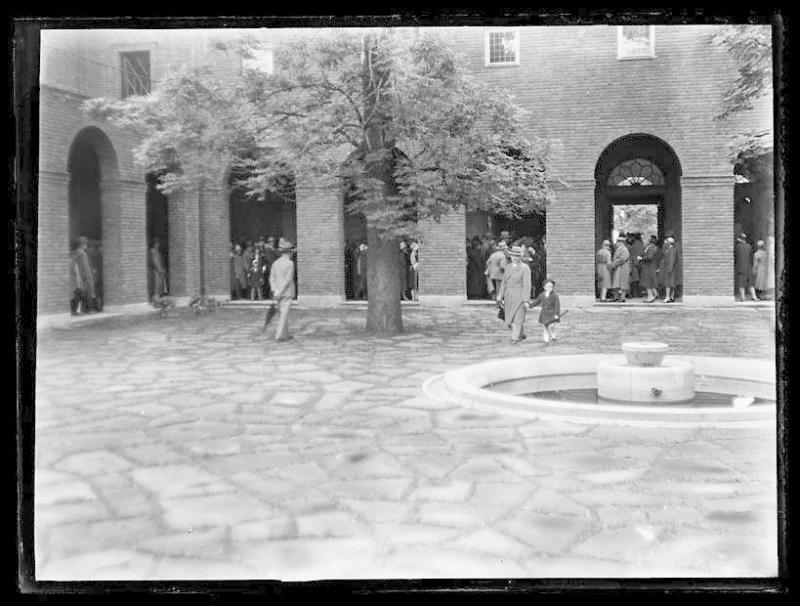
x,y
628,112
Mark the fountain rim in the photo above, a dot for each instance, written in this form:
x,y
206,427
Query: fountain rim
x,y
467,386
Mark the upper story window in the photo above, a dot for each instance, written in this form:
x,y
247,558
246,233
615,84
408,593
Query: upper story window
x,y
636,41
260,59
135,73
502,47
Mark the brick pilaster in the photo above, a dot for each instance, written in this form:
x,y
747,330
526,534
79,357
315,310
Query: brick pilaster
x,y
443,257
183,214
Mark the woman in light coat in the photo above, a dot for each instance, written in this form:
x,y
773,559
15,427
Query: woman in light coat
x,y
514,291
760,270
622,271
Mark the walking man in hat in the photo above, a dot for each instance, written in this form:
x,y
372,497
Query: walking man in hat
x,y
281,281
514,291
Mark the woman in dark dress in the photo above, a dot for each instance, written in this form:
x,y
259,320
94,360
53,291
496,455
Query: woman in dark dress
x,y
476,283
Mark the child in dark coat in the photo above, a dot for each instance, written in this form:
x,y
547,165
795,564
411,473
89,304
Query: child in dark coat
x,y
550,313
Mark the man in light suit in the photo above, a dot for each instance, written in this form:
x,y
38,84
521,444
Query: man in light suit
x,y
281,281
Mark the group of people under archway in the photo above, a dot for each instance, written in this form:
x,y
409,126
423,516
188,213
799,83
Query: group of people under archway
x,y
356,257
251,262
488,256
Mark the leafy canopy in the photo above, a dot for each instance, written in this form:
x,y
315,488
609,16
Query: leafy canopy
x,y
394,115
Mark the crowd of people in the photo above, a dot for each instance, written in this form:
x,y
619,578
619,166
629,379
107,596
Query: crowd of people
x,y
488,257
631,268
250,267
356,255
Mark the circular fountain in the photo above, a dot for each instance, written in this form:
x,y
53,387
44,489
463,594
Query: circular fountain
x,y
643,387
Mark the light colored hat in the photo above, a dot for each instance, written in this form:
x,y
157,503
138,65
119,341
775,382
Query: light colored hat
x,y
285,246
606,243
516,251
502,245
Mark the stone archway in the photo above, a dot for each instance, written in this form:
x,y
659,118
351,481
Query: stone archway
x,y
637,171
93,190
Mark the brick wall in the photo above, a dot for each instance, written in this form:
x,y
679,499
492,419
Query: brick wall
x,y
442,256
320,237
215,226
570,239
183,216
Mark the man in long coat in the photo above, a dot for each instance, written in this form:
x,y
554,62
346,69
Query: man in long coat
x,y
669,269
514,291
281,281
86,275
495,267
159,271
742,262
621,264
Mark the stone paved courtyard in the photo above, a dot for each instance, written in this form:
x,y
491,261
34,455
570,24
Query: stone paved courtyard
x,y
192,447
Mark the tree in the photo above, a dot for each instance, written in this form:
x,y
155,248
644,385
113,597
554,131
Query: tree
x,y
420,135
751,50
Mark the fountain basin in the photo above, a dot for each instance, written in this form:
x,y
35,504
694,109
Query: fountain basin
x,y
644,353
471,386
669,383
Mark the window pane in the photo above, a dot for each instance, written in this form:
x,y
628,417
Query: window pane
x,y
502,47
135,73
635,41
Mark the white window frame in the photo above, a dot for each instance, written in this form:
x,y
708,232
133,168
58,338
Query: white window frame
x,y
620,42
503,30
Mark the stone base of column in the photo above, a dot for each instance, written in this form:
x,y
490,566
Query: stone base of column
x,y
129,309
708,300
575,301
441,300
320,301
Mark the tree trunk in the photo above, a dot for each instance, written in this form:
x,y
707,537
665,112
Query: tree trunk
x,y
383,285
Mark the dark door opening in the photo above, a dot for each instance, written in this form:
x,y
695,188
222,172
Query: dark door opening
x,y
157,231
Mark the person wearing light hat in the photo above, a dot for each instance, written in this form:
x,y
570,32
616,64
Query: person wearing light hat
x,y
514,291
603,269
495,267
281,282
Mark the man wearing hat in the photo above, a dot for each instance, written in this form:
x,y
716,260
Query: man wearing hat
x,y
84,278
515,289
742,262
281,281
496,266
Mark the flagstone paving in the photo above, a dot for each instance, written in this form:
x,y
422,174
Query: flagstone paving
x,y
193,447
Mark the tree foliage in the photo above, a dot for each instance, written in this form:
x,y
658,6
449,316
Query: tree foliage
x,y
396,116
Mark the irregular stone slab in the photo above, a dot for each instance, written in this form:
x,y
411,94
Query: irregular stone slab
x,y
364,464
129,502
552,502
346,386
459,515
379,488
599,497
64,492
465,418
421,535
498,435
290,398
153,454
692,468
488,541
710,554
426,403
309,559
496,493
699,489
614,477
628,544
431,466
565,566
450,564
281,527
177,568
107,565
170,481
215,447
331,401
213,510
306,473
379,511
46,516
522,465
455,491
43,477
545,533
191,544
94,463
296,367
485,469
329,524
199,430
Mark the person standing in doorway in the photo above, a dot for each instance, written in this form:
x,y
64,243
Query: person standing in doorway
x,y
514,291
742,262
647,269
760,270
86,275
281,281
239,272
636,250
159,270
413,269
361,272
603,269
621,265
668,269
496,266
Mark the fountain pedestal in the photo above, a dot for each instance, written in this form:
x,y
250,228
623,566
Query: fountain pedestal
x,y
643,376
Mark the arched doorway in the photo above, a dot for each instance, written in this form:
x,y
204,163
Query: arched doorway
x,y
93,169
638,190
157,231
257,219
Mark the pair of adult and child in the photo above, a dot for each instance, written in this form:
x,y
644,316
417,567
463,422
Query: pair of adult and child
x,y
514,297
